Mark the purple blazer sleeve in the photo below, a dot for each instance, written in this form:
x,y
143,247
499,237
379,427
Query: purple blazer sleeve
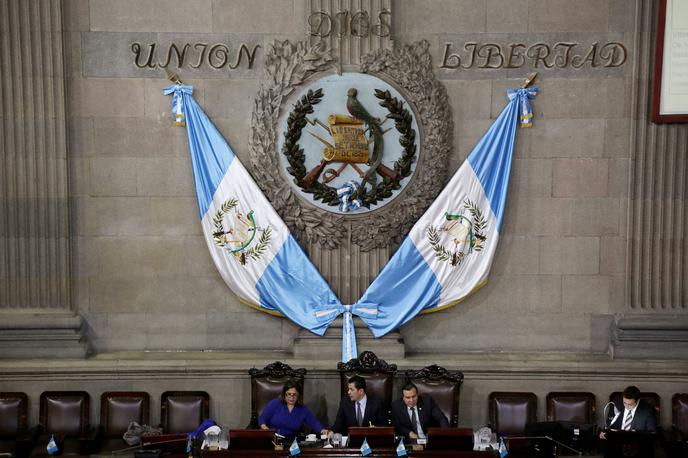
x,y
268,412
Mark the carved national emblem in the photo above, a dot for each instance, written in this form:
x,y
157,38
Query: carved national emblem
x,y
236,233
299,87
349,172
465,231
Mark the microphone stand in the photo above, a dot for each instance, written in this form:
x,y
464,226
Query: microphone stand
x,y
578,452
604,412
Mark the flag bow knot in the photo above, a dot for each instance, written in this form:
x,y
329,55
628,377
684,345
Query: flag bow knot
x,y
524,95
346,194
177,101
349,335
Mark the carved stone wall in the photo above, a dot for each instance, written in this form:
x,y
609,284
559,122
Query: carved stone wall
x,y
656,320
34,196
351,28
347,268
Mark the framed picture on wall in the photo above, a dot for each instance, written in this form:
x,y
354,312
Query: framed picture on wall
x,y
670,98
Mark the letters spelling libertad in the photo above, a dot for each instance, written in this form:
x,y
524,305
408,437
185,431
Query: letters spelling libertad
x,y
539,55
216,56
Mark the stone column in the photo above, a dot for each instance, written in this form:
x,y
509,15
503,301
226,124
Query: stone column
x,y
35,315
655,323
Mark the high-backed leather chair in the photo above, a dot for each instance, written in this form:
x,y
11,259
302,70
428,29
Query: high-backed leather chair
x,y
577,407
652,399
442,385
678,443
183,411
65,414
15,437
267,383
117,410
679,414
510,412
379,375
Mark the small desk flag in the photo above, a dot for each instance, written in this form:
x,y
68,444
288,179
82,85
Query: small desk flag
x,y
502,448
401,450
294,448
365,448
52,446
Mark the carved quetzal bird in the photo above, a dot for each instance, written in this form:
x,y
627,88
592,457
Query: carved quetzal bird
x,y
358,111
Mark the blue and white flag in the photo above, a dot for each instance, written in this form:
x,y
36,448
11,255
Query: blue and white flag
x,y
365,448
502,448
251,246
449,251
401,450
294,448
52,446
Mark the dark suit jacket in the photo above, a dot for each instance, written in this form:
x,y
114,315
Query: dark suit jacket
x,y
643,419
428,414
346,415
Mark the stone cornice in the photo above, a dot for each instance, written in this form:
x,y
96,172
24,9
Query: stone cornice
x,y
226,365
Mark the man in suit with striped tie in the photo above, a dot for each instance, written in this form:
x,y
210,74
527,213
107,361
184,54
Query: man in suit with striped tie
x,y
636,415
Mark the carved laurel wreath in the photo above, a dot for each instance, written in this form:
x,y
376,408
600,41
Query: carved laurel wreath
x,y
288,66
403,122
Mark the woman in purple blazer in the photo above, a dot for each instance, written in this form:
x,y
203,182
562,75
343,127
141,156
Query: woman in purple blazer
x,y
286,413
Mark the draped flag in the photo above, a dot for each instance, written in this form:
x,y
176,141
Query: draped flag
x,y
251,246
449,251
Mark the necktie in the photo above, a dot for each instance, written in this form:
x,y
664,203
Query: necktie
x,y
414,420
359,415
627,421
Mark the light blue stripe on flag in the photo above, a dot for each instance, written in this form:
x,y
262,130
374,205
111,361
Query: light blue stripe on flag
x,y
491,160
210,153
292,285
407,282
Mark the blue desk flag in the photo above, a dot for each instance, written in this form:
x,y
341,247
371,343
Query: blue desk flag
x,y
294,448
365,448
401,450
52,446
502,448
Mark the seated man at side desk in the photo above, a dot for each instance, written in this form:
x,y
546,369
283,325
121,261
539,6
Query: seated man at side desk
x,y
636,415
412,415
358,409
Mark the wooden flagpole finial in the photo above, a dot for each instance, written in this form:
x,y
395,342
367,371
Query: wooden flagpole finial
x,y
530,79
173,77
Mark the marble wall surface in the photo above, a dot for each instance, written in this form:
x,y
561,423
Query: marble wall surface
x,y
592,258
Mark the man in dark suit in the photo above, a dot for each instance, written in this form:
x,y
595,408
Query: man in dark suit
x,y
412,415
358,409
635,415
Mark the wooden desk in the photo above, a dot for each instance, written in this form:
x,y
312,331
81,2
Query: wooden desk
x,y
345,453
